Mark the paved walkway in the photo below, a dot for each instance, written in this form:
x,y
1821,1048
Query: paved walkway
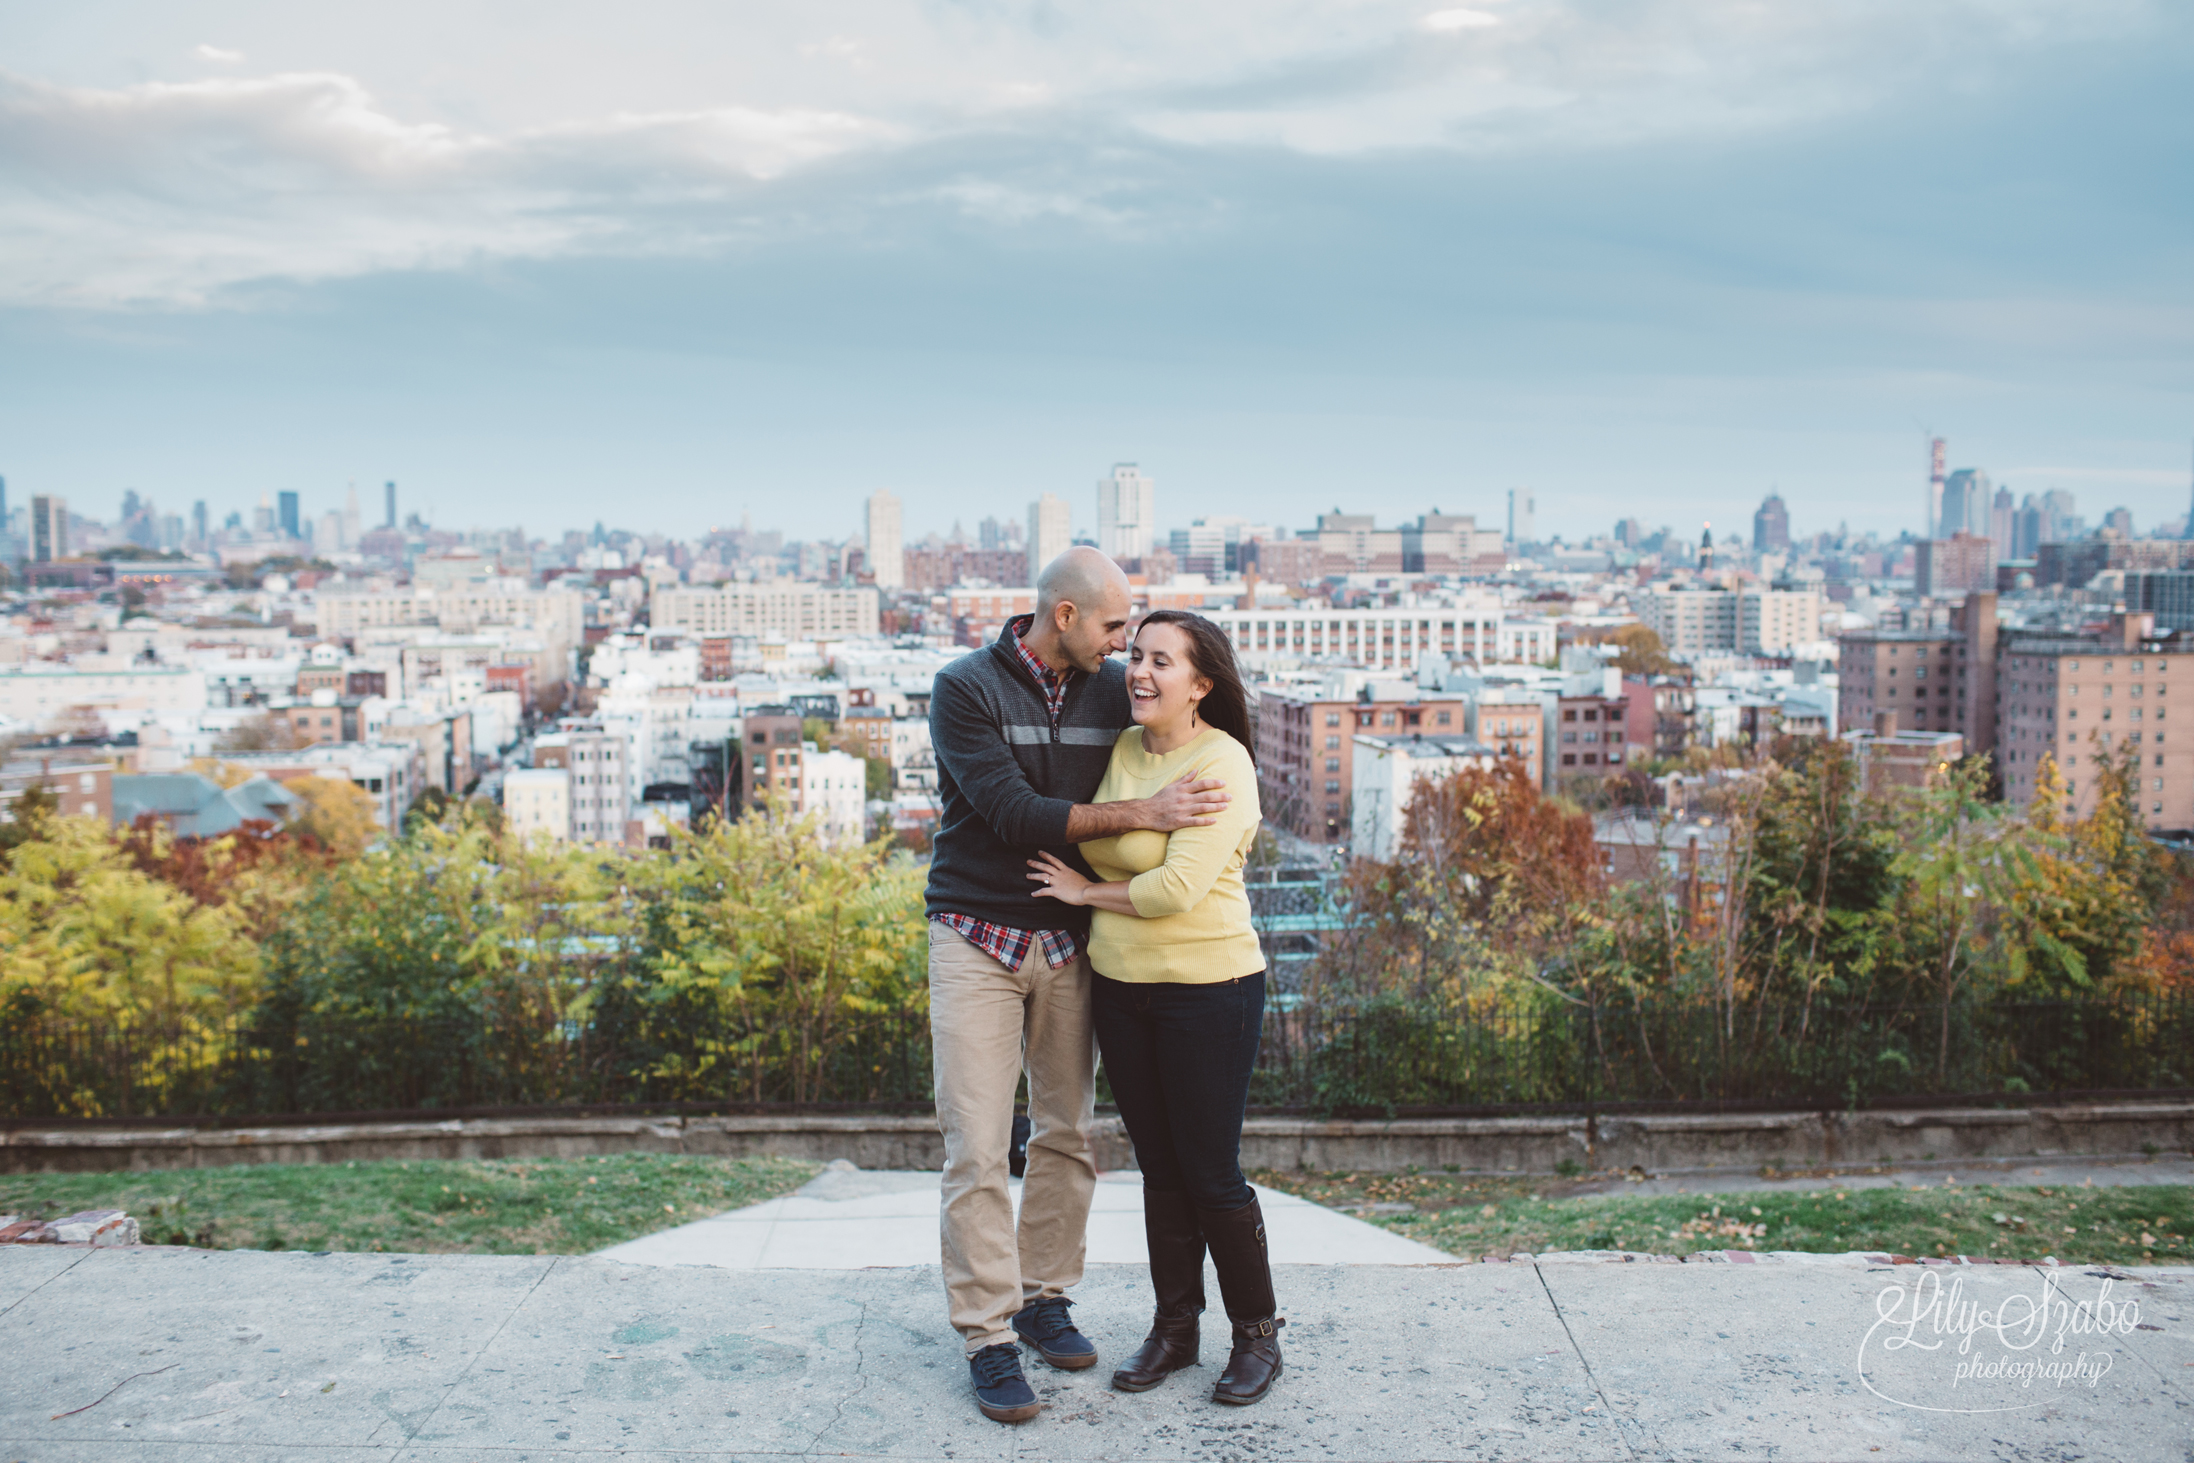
x,y
148,1355
851,1219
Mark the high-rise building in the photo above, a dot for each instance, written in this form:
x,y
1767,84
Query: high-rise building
x,y
989,535
1523,512
388,491
200,531
1771,526
1050,532
2001,529
1936,456
2119,521
286,515
49,528
1126,512
886,540
1967,498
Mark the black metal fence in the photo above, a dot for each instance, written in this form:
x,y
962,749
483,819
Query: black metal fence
x,y
1392,1056
1382,1057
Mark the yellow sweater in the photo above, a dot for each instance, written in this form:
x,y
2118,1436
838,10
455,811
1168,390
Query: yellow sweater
x,y
1187,886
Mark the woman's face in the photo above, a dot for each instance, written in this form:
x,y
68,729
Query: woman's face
x,y
1162,683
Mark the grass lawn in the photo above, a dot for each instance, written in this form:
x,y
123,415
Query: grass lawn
x,y
515,1206
1472,1216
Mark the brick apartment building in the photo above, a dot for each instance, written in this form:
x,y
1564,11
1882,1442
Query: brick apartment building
x,y
327,717
1934,680
2021,695
1589,735
1513,723
1306,745
773,752
1964,563
2075,696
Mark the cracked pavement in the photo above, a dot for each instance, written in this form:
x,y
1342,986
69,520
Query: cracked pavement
x,y
354,1357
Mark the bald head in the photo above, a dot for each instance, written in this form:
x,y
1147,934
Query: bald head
x,y
1082,607
1081,577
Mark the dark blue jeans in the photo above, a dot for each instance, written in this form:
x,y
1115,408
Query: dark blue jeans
x,y
1179,1059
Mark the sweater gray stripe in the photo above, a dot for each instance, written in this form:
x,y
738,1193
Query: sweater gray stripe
x,y
1069,736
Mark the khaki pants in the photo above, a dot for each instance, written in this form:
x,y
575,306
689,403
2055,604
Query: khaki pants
x,y
985,1022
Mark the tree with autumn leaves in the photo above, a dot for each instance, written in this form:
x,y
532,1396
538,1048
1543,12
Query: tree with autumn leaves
x,y
1815,900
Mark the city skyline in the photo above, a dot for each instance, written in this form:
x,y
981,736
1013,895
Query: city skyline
x,y
1681,255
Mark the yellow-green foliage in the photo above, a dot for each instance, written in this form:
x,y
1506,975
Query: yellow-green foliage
x,y
783,938
86,936
91,937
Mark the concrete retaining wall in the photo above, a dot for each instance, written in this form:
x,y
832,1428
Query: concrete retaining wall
x,y
1672,1143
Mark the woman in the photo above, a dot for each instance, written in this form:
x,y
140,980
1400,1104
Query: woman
x,y
1179,996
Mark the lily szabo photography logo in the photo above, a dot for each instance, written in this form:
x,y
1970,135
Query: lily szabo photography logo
x,y
1996,1345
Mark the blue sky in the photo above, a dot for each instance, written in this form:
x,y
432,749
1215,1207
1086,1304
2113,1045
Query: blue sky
x,y
663,263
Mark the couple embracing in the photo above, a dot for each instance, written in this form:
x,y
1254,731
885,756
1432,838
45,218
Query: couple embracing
x,y
1086,894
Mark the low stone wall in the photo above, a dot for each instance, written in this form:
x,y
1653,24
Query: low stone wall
x,y
1667,1143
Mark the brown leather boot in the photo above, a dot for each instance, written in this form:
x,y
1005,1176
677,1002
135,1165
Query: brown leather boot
x,y
1238,1252
1177,1275
1254,1365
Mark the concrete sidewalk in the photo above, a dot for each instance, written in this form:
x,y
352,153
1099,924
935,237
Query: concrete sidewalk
x,y
854,1219
161,1354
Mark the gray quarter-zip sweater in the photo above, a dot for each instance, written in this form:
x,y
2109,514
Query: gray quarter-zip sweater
x,y
1006,780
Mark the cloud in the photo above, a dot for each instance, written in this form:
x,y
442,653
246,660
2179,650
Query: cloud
x,y
166,192
1453,20
1012,113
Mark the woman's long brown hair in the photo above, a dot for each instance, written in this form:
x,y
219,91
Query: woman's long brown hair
x,y
1211,655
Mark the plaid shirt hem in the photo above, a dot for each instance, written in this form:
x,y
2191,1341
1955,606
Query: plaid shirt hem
x,y
1009,947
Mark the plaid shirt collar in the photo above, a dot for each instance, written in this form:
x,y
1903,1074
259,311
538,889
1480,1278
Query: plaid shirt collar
x,y
1055,683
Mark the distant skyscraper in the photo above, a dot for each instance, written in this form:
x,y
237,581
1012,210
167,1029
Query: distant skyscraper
x,y
1126,512
262,517
1050,532
1523,512
1967,500
1936,456
286,515
1771,526
388,491
1706,548
2000,526
49,528
198,527
2119,521
886,540
989,535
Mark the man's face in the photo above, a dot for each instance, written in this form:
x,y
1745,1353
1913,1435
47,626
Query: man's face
x,y
1098,630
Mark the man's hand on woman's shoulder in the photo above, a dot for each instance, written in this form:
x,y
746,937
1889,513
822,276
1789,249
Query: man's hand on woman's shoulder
x,y
1192,802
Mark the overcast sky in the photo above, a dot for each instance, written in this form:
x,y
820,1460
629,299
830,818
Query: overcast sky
x,y
665,261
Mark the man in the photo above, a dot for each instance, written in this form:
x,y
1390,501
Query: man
x,y
1023,732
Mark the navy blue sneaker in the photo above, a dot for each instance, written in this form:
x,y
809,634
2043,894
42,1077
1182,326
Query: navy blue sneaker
x,y
1000,1389
1043,1324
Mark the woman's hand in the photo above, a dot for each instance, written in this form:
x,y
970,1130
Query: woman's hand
x,y
1057,880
